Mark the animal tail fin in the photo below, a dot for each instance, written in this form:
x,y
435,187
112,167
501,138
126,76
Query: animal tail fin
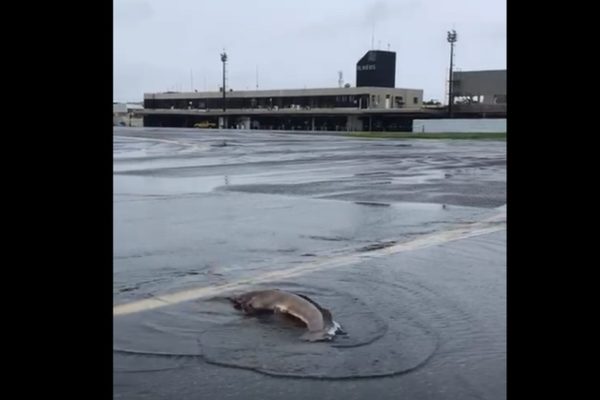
x,y
327,318
331,326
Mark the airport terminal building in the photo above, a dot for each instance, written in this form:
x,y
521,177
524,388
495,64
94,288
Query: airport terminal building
x,y
371,105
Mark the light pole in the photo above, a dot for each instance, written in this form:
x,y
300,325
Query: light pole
x,y
451,39
224,60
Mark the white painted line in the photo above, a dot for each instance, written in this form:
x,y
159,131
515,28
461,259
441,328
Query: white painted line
x,y
493,224
200,146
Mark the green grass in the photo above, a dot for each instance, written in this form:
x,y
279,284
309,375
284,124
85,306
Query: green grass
x,y
417,135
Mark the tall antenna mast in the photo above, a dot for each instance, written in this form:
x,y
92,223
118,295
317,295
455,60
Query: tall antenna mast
x,y
340,78
257,77
373,37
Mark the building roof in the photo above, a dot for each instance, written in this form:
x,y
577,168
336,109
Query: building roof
x,y
351,91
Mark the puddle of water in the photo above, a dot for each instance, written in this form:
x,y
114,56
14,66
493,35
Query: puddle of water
x,y
217,333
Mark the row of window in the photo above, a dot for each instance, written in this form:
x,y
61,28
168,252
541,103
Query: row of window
x,y
279,102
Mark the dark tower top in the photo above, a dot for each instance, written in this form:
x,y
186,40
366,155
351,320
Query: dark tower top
x,y
376,68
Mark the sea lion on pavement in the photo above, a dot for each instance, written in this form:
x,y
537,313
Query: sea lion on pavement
x,y
318,320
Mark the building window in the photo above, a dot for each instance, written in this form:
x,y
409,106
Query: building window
x,y
415,100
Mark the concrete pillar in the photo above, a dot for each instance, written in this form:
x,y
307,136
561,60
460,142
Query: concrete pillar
x,y
353,123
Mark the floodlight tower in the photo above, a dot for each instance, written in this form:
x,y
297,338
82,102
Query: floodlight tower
x,y
224,60
452,38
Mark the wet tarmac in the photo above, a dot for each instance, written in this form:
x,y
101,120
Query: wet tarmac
x,y
403,240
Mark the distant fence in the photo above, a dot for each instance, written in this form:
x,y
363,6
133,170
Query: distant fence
x,y
460,125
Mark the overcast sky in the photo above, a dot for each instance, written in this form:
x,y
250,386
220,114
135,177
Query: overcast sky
x,y
162,45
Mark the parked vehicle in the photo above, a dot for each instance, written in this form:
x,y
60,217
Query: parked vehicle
x,y
205,124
